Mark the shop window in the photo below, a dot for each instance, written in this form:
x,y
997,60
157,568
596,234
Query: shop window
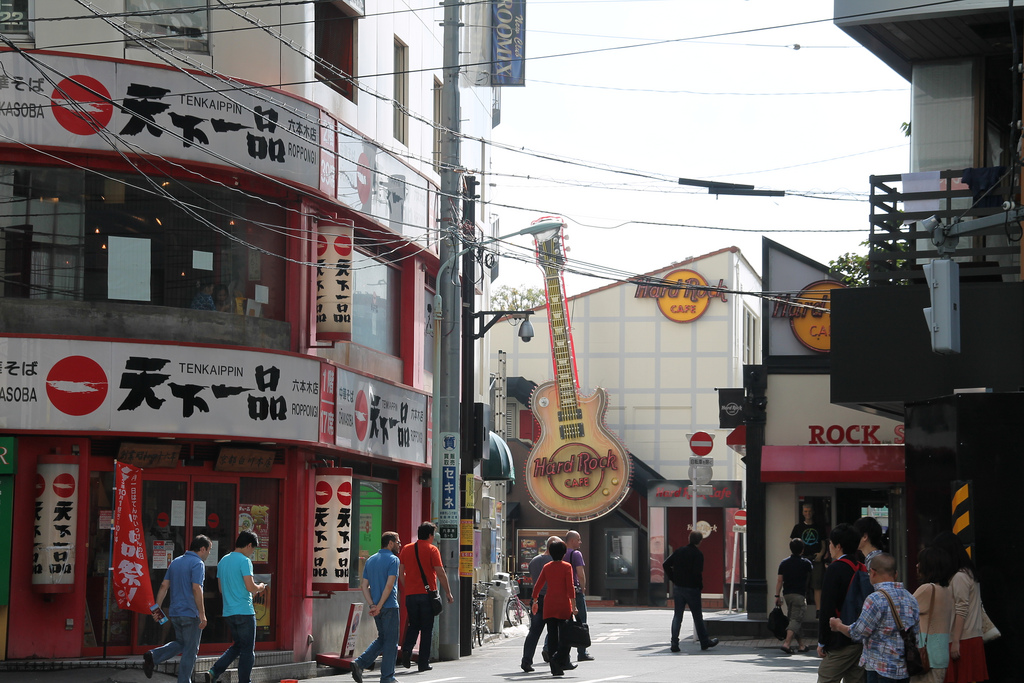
x,y
181,30
70,235
335,48
258,508
14,17
375,304
375,506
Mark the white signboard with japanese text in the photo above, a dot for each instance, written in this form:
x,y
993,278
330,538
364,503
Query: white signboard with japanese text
x,y
53,550
332,529
102,105
67,384
380,419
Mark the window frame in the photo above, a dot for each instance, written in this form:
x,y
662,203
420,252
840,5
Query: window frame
x,y
400,95
339,51
194,44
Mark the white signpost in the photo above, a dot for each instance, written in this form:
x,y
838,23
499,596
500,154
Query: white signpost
x,y
701,466
741,527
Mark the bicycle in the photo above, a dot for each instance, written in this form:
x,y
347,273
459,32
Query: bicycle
x,y
515,611
479,614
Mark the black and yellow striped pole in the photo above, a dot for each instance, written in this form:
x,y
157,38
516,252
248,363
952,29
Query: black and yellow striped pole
x,y
963,514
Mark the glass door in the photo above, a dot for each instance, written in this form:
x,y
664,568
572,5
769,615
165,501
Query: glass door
x,y
214,513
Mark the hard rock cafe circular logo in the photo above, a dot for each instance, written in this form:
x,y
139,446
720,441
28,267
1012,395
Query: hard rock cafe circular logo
x,y
578,483
683,295
812,320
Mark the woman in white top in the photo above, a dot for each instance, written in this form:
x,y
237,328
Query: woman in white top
x,y
935,600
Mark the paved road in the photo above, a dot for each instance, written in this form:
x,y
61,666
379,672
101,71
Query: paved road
x,y
631,646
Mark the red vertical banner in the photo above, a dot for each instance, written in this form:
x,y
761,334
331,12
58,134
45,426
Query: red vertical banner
x,y
132,586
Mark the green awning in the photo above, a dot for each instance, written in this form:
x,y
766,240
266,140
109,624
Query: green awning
x,y
497,464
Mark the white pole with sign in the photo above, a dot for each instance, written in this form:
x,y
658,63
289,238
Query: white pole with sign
x,y
701,466
741,527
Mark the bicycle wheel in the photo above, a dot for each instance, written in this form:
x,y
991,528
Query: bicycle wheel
x,y
514,612
480,629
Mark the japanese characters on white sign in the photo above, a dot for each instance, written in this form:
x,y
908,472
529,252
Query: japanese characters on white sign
x,y
380,419
334,280
53,550
332,529
161,112
66,384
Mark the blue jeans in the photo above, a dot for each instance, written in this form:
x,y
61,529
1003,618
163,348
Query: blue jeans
x,y
243,631
581,614
420,617
875,677
533,637
386,644
683,597
185,643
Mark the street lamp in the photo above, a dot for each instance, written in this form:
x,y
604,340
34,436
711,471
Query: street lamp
x,y
450,430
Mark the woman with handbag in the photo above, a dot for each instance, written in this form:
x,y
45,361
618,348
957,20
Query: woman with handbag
x,y
966,650
559,605
936,602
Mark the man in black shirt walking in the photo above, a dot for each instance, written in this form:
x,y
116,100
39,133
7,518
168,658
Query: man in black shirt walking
x,y
685,567
794,571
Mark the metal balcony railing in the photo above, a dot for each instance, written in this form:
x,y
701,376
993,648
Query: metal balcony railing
x,y
898,248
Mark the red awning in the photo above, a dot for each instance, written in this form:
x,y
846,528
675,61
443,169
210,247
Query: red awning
x,y
833,464
737,440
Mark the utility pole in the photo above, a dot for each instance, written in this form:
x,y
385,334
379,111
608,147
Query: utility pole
x,y
469,426
447,374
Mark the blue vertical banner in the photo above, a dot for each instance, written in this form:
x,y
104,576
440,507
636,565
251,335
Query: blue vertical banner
x,y
508,43
448,516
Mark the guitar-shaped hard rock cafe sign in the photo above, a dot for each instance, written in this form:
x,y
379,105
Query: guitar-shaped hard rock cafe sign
x,y
578,470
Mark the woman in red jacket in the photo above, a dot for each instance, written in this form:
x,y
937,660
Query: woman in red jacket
x,y
559,605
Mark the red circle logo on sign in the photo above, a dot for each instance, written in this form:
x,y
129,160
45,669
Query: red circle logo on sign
x,y
76,385
741,518
321,245
345,493
163,520
82,105
64,485
362,415
212,520
323,493
343,245
701,443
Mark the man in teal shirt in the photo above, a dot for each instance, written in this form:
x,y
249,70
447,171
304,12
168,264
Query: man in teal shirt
x,y
234,574
380,590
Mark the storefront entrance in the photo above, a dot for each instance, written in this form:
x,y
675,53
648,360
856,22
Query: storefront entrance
x,y
175,508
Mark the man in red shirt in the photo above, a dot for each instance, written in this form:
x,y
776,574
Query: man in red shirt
x,y
421,554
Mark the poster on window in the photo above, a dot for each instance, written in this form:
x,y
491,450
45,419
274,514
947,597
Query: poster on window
x,y
256,518
56,524
380,419
332,529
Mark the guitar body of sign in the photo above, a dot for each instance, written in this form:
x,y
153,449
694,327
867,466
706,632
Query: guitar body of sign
x,y
578,470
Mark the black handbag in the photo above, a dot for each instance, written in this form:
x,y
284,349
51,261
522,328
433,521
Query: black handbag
x,y
911,653
576,634
777,623
435,598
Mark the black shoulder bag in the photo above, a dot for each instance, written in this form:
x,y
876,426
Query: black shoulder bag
x,y
435,598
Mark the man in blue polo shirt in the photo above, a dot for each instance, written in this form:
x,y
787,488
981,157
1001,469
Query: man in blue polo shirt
x,y
380,590
234,574
187,612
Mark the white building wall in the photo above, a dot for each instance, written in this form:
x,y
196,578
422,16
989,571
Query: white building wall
x,y
661,375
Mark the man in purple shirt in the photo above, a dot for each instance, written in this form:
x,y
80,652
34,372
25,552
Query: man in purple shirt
x,y
575,558
187,612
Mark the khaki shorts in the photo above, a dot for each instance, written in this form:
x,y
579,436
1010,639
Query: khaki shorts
x,y
796,606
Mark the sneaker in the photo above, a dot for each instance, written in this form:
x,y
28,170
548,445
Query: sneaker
x,y
426,667
585,657
675,646
527,668
147,664
710,644
357,672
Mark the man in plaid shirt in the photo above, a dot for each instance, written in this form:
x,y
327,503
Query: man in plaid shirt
x,y
876,627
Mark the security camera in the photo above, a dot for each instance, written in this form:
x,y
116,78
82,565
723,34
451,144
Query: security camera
x,y
526,330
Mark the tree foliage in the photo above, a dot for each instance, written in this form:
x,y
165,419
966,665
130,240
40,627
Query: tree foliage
x,y
507,298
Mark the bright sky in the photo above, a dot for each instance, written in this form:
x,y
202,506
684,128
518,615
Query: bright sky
x,y
742,106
